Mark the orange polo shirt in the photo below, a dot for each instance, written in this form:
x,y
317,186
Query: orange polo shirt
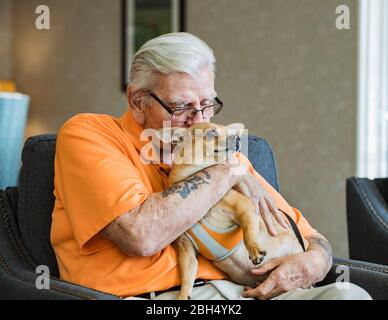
x,y
98,177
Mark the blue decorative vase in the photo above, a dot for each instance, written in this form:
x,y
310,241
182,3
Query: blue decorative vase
x,y
13,117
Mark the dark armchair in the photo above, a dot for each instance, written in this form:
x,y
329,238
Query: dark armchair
x,y
25,219
367,214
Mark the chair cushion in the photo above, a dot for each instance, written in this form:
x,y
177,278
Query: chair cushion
x,y
261,156
36,199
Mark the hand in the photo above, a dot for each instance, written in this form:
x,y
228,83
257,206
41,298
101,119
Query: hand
x,y
288,273
262,200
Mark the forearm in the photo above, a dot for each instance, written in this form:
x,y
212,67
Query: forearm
x,y
319,245
166,215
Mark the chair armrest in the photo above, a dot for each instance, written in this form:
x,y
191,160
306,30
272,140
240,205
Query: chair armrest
x,y
19,283
369,276
18,277
17,270
367,215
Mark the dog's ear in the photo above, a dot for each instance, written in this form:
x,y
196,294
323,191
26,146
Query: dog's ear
x,y
237,128
174,135
164,134
179,136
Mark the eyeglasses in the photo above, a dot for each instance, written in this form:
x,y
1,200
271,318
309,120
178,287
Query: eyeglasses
x,y
183,114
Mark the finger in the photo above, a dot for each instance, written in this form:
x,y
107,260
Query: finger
x,y
282,286
276,213
274,293
267,267
267,217
262,290
256,205
243,188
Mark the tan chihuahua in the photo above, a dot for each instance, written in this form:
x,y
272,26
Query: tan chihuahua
x,y
219,144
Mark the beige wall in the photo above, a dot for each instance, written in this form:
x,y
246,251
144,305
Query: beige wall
x,y
284,71
5,39
72,68
289,75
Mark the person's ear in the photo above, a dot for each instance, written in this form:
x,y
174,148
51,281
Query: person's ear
x,y
128,93
136,100
136,103
131,96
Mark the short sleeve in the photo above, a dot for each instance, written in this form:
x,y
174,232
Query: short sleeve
x,y
303,225
96,181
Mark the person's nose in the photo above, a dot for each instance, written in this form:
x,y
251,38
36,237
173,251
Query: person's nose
x,y
197,118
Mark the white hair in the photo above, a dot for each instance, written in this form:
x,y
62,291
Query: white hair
x,y
167,54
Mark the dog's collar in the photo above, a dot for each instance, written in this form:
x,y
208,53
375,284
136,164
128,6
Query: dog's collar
x,y
295,228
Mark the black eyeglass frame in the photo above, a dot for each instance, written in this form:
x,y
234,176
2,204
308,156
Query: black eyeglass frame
x,y
171,111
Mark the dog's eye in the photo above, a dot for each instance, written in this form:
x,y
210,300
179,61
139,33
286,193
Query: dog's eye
x,y
178,138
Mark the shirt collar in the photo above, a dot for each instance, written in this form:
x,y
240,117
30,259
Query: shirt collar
x,y
134,130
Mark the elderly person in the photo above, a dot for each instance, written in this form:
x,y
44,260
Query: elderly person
x,y
112,223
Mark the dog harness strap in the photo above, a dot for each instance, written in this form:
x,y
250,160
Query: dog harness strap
x,y
295,228
215,243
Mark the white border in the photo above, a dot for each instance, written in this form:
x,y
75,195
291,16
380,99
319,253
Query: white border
x,y
372,140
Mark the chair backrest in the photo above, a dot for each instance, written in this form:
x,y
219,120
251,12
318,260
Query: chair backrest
x,y
36,199
261,156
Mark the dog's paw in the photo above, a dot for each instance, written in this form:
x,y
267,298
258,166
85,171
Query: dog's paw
x,y
257,261
256,255
183,297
